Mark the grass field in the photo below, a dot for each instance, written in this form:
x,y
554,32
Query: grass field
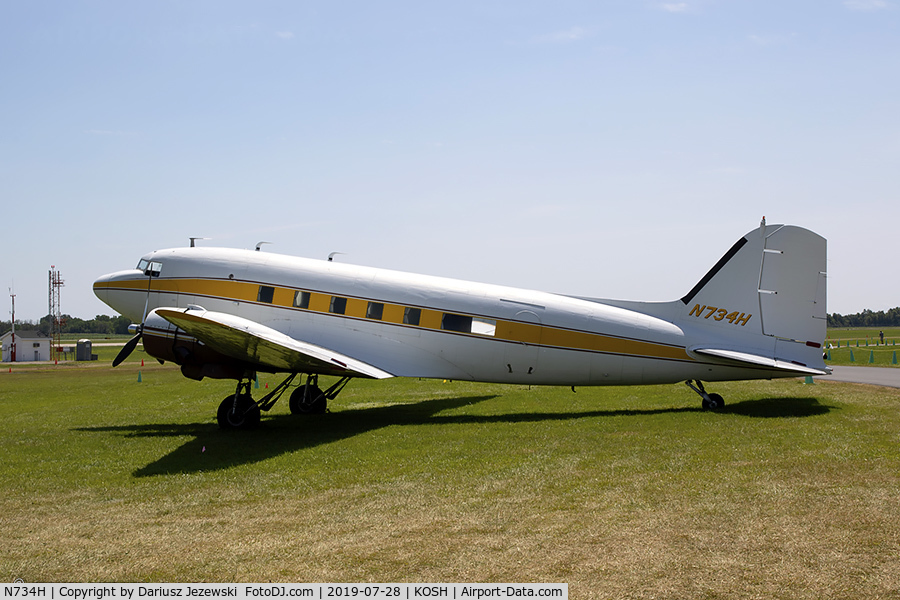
x,y
792,491
861,347
862,334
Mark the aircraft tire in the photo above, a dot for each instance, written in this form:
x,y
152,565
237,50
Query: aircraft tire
x,y
316,406
715,402
247,416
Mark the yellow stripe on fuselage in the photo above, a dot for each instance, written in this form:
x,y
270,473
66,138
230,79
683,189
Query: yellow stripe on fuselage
x,y
356,308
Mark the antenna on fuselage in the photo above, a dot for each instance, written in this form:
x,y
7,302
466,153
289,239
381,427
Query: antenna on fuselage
x,y
260,244
332,255
193,239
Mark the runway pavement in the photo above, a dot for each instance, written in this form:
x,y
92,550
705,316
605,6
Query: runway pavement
x,y
884,376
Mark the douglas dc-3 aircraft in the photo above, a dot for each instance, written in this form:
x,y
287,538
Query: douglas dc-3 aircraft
x,y
225,313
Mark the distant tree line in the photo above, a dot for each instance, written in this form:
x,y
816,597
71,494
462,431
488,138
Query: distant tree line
x,y
866,318
101,324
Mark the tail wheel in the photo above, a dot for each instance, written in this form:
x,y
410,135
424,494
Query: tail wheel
x,y
710,401
238,413
713,402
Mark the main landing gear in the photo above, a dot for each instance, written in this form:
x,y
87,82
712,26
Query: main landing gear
x,y
710,401
309,399
240,411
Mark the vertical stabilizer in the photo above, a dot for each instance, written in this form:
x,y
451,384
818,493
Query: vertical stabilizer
x,y
766,296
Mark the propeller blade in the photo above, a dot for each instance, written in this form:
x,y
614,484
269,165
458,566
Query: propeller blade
x,y
129,347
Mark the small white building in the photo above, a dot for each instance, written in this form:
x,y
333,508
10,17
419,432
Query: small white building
x,y
30,346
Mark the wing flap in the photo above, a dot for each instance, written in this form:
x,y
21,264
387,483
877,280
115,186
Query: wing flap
x,y
762,361
255,343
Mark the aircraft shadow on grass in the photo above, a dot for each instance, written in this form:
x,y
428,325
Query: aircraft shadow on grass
x,y
213,449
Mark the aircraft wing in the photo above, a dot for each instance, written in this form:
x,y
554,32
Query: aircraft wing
x,y
746,358
255,343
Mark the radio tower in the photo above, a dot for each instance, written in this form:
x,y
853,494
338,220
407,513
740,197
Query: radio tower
x,y
56,321
12,347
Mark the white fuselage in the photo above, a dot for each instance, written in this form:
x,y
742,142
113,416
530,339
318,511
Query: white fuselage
x,y
422,326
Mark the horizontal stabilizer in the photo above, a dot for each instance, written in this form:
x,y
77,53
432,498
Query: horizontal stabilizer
x,y
762,361
255,343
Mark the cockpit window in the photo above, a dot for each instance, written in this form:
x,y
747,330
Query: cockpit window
x,y
149,268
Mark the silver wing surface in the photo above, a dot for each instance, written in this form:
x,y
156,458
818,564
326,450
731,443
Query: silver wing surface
x,y
252,342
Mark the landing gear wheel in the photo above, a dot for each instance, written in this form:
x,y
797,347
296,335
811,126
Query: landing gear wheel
x,y
308,399
241,414
710,401
713,402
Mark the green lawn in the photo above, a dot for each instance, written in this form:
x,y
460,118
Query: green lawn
x,y
862,347
863,335
792,491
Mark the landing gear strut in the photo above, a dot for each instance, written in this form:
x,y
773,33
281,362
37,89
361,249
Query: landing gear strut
x,y
710,401
309,399
240,411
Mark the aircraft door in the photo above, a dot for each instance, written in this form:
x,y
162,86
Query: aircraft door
x,y
522,357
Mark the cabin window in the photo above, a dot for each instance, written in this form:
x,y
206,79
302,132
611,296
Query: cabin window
x,y
411,316
338,305
301,299
375,310
484,326
452,322
266,294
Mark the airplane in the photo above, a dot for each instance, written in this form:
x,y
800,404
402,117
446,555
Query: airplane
x,y
224,313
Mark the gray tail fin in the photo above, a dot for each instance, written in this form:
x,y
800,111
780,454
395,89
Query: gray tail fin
x,y
770,286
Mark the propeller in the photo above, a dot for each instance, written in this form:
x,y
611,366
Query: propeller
x,y
129,347
131,344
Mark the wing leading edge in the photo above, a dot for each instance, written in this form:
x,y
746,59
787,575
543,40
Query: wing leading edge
x,y
249,341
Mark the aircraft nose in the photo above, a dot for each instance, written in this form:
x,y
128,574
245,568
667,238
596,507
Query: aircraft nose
x,y
117,290
101,288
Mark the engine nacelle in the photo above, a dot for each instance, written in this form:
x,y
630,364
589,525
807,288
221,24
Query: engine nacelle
x,y
166,342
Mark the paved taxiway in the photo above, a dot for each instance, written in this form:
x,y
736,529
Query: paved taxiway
x,y
886,376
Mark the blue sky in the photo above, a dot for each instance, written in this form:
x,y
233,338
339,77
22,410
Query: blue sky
x,y
612,149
